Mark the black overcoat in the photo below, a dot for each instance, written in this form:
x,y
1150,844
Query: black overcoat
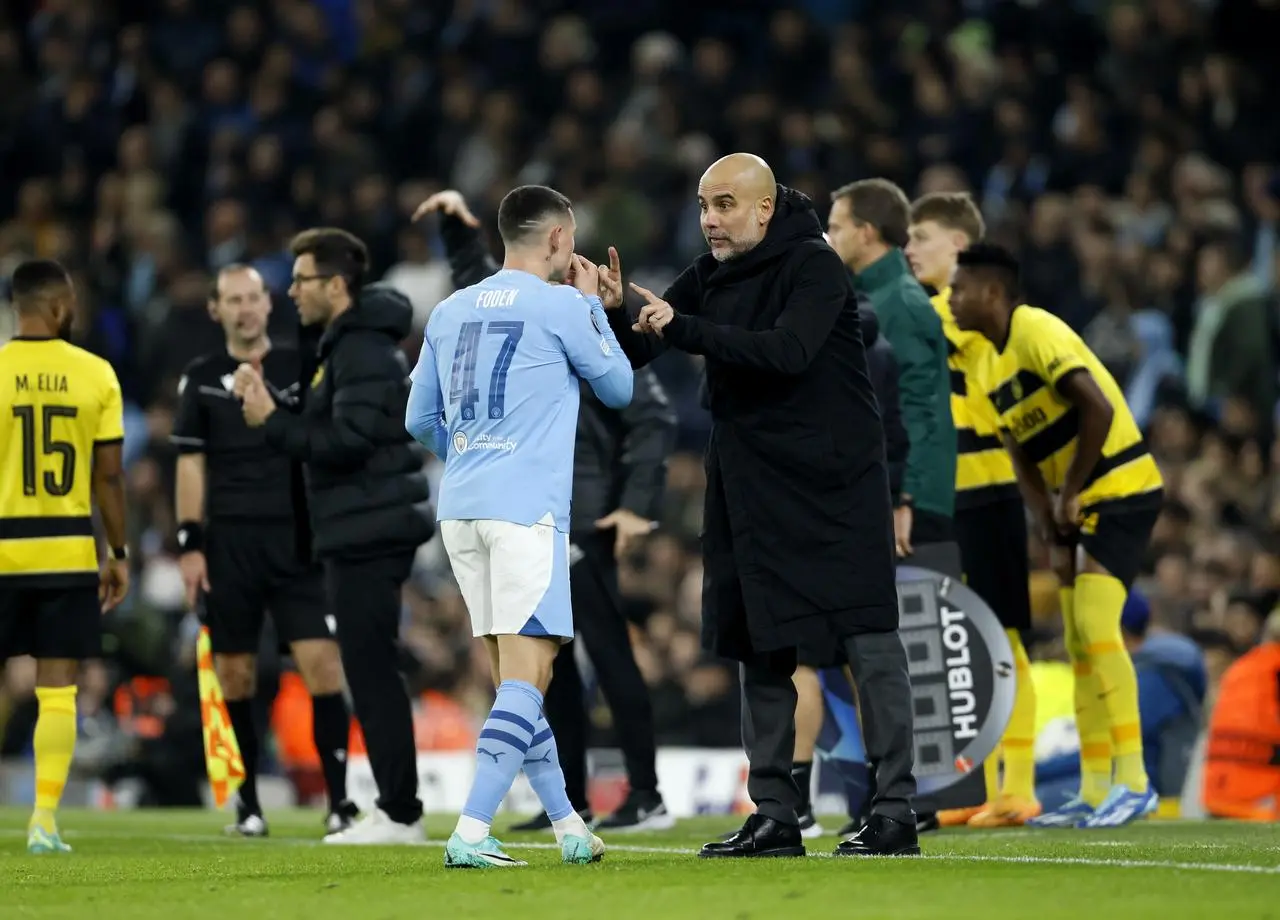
x,y
798,532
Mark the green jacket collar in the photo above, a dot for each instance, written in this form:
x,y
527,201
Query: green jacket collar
x,y
883,271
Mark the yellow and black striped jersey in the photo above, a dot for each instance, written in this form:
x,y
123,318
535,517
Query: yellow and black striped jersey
x,y
984,471
57,401
1021,382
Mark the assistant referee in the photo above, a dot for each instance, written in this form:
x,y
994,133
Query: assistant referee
x,y
237,542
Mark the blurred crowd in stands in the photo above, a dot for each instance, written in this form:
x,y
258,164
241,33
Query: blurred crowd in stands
x,y
1125,149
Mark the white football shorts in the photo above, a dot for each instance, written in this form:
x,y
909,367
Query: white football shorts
x,y
514,579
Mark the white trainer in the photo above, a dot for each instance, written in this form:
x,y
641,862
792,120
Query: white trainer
x,y
376,829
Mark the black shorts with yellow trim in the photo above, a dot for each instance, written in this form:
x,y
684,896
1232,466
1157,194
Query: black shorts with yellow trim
x,y
993,551
50,617
1117,533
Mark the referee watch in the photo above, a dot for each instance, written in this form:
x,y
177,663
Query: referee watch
x,y
119,553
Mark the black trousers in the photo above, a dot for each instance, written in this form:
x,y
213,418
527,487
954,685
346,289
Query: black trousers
x,y
365,595
879,666
602,628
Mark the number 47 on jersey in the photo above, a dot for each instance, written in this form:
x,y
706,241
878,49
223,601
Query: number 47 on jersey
x,y
462,377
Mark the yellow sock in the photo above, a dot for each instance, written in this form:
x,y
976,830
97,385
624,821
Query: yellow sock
x,y
1019,741
1099,601
1091,713
54,742
991,775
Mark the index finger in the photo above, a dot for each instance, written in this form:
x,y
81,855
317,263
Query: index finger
x,y
614,264
645,293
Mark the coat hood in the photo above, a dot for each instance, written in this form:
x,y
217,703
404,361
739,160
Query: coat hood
x,y
380,308
794,220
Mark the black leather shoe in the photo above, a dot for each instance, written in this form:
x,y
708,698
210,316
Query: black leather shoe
x,y
759,837
882,836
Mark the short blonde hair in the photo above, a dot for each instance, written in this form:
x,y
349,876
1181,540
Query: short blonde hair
x,y
952,211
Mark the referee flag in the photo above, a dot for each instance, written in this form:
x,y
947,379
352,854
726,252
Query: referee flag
x,y
221,752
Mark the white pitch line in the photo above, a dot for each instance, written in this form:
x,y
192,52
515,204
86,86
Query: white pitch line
x,y
1235,868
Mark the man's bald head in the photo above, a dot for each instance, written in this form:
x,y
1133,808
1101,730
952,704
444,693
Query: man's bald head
x,y
745,172
736,198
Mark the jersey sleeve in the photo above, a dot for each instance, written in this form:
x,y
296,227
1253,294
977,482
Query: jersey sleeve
x,y
111,419
190,427
592,348
1049,350
424,412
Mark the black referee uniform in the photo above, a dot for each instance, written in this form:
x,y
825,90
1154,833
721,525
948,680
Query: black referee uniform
x,y
620,461
250,541
252,553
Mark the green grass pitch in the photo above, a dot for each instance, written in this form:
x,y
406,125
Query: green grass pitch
x,y
179,866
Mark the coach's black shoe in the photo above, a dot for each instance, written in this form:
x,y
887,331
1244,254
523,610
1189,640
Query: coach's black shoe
x,y
540,822
341,817
248,823
809,827
759,837
882,836
852,826
641,811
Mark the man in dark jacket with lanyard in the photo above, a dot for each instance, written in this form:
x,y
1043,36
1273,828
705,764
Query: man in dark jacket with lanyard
x,y
868,227
798,540
619,473
367,496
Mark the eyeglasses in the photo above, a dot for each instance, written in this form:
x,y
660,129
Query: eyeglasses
x,y
303,279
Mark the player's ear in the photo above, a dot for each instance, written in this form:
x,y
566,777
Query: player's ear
x,y
212,306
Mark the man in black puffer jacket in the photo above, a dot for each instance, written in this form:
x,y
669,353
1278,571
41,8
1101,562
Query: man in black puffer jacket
x,y
367,496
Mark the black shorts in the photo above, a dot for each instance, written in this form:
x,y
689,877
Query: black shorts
x,y
993,551
50,622
1117,533
253,569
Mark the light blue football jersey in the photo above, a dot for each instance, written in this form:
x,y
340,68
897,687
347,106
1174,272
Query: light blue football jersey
x,y
495,394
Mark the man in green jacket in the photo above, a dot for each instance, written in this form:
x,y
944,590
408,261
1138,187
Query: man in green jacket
x,y
868,228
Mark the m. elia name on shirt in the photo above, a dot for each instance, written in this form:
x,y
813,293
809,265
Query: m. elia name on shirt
x,y
44,383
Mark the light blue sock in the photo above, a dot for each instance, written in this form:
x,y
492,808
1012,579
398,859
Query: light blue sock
x,y
542,766
501,748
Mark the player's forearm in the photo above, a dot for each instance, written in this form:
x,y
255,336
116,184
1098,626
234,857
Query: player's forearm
x,y
469,260
1035,493
189,497
108,492
424,419
1095,423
